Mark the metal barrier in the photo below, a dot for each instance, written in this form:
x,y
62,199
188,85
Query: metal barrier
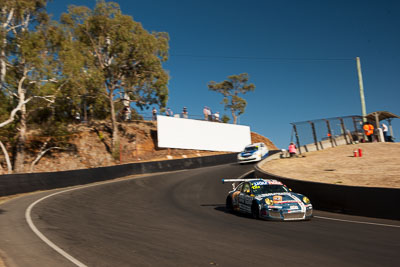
x,y
323,133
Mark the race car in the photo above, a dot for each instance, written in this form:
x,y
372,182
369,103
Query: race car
x,y
267,199
253,152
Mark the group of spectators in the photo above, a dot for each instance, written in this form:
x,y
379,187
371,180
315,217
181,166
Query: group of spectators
x,y
170,113
369,131
209,116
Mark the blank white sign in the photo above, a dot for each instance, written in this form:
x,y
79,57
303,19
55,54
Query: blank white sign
x,y
201,135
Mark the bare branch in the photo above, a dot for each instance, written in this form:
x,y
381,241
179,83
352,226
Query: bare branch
x,y
9,167
49,98
41,154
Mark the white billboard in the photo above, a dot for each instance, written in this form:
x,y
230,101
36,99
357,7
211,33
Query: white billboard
x,y
201,135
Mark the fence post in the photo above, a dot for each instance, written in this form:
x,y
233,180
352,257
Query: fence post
x,y
355,128
344,131
297,138
314,134
328,125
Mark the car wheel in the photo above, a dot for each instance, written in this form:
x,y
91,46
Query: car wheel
x,y
255,211
229,204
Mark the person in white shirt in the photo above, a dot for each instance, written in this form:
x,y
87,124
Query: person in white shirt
x,y
385,132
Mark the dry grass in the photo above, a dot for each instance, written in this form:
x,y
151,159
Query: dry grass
x,y
378,167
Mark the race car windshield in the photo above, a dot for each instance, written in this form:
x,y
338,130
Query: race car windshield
x,y
250,149
269,188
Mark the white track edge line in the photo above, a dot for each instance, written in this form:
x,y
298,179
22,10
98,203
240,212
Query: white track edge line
x,y
350,221
28,219
44,238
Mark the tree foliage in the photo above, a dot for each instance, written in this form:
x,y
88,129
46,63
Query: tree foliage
x,y
121,55
231,89
85,63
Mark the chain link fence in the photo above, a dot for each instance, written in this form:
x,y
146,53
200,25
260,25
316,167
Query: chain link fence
x,y
323,133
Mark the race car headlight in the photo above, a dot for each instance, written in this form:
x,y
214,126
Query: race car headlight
x,y
269,201
306,200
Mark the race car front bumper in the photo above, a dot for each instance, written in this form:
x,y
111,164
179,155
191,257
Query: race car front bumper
x,y
286,215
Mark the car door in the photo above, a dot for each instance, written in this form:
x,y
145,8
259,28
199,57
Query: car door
x,y
245,198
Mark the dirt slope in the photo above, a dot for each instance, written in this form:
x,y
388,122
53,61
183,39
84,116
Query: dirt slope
x,y
89,146
379,165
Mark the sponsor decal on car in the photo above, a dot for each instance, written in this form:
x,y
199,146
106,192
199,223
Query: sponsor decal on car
x,y
277,199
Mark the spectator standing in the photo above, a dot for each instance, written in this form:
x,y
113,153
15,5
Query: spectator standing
x,y
216,116
169,112
209,114
185,113
205,112
292,149
369,131
385,132
154,112
128,114
77,117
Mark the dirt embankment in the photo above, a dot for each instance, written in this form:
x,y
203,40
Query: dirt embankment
x,y
379,165
89,147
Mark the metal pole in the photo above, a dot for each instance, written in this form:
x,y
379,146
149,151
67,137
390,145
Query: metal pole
x,y
390,127
344,131
314,135
360,82
329,132
297,138
355,128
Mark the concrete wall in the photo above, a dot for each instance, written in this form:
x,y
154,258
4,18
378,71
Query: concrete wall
x,y
337,141
356,200
11,184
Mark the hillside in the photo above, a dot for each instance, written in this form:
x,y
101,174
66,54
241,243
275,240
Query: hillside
x,y
89,146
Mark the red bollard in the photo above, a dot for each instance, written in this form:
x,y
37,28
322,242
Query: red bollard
x,y
360,152
355,153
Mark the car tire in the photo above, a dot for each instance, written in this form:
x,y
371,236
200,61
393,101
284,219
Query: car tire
x,y
255,211
229,204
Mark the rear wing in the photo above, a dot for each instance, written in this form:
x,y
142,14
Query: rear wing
x,y
239,180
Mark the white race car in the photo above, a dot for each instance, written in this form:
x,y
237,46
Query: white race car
x,y
253,152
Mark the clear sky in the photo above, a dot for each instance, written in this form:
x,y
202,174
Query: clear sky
x,y
300,54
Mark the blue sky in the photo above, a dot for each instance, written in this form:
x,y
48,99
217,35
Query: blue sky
x,y
300,54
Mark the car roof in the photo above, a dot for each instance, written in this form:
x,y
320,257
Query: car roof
x,y
255,144
266,181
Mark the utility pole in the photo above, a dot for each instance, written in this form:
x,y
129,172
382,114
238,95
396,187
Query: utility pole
x,y
360,82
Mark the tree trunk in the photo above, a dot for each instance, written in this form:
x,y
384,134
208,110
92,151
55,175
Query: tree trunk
x,y
20,149
234,117
115,134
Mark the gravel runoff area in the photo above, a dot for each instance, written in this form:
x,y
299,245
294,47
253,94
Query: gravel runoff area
x,y
379,165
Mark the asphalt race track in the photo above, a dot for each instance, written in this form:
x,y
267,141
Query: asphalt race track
x,y
179,219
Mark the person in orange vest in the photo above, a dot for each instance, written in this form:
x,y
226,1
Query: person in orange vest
x,y
369,131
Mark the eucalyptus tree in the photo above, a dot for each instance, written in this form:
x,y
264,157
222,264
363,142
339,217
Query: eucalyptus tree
x,y
230,89
123,56
30,70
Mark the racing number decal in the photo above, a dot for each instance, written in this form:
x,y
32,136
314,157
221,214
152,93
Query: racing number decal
x,y
277,199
